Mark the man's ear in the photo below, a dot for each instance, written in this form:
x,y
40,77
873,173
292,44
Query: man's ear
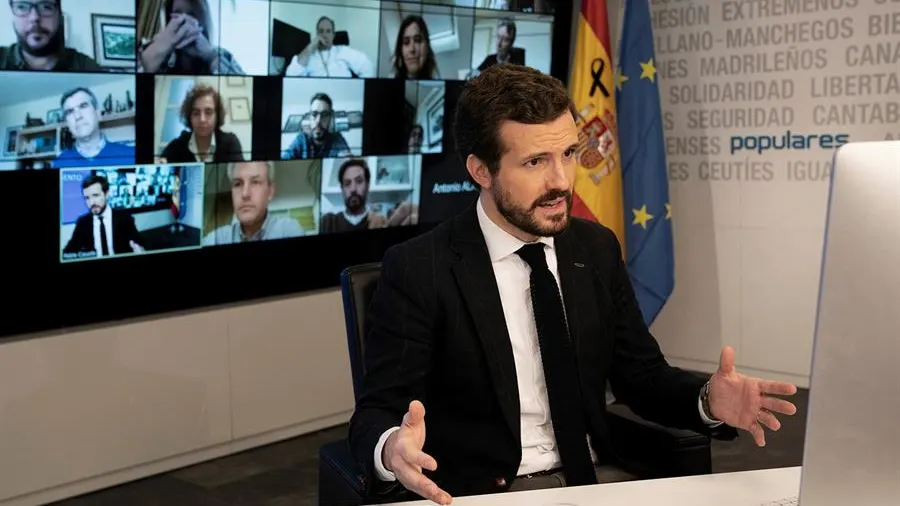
x,y
479,171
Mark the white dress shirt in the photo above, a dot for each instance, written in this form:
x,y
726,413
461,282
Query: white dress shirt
x,y
107,223
337,61
539,450
210,153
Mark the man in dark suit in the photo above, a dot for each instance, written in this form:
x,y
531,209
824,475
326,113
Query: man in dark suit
x,y
506,53
103,230
468,320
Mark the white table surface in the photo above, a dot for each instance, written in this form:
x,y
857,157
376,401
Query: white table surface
x,y
747,488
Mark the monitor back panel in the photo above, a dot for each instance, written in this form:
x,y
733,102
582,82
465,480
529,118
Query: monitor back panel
x,y
852,451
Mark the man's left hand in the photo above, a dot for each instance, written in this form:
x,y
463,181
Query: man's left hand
x,y
744,403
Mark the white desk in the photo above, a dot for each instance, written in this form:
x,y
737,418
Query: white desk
x,y
748,488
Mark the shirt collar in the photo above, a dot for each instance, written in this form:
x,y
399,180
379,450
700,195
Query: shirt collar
x,y
501,243
102,147
192,145
259,235
106,214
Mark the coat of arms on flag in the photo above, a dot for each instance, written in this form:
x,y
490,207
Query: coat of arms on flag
x,y
597,153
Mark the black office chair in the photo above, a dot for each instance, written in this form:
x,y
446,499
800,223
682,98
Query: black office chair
x,y
647,450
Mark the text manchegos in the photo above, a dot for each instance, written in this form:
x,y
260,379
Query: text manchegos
x,y
784,34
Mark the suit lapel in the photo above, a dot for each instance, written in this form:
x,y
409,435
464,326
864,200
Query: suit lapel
x,y
475,277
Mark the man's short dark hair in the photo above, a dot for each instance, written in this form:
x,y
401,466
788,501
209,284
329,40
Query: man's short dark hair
x,y
324,18
67,95
95,179
354,162
197,92
501,93
324,98
510,25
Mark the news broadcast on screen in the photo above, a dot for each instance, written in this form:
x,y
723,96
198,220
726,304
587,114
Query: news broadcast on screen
x,y
176,134
114,211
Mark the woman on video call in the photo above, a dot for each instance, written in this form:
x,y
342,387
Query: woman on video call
x,y
183,46
204,113
413,57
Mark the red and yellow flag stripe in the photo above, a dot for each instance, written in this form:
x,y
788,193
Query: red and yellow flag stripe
x,y
598,181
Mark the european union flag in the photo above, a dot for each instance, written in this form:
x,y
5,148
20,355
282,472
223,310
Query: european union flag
x,y
649,252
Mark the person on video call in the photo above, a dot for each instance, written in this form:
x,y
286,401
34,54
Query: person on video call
x,y
203,112
514,399
178,205
321,141
322,58
354,177
252,189
82,117
416,134
413,57
40,40
103,230
183,46
506,37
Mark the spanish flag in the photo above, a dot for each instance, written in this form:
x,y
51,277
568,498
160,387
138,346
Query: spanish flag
x,y
598,180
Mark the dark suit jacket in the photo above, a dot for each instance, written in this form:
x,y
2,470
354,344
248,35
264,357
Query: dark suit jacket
x,y
516,56
437,333
228,149
123,231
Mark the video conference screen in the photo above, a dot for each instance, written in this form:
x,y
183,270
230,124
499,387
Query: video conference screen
x,y
164,143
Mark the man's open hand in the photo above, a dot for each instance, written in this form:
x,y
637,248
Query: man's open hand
x,y
744,402
402,455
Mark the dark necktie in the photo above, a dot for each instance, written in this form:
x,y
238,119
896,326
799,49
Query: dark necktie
x,y
560,373
103,243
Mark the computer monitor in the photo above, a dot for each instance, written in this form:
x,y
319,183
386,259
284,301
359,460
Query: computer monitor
x,y
852,454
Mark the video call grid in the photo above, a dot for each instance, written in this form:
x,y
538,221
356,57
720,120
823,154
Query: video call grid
x,y
96,109
95,48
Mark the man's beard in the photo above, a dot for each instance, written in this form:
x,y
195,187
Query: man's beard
x,y
525,220
51,47
355,204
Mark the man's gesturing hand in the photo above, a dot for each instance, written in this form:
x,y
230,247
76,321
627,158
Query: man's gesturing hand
x,y
747,403
402,455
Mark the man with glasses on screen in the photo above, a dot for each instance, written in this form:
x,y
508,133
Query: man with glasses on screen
x,y
41,41
321,141
82,118
252,189
102,231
